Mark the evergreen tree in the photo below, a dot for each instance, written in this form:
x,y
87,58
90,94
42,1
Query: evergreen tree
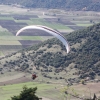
x,y
26,94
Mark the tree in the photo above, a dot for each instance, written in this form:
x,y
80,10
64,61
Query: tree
x,y
83,81
26,94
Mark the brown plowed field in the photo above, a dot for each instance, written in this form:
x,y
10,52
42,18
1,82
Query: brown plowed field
x,y
24,17
11,25
27,43
15,81
57,20
76,27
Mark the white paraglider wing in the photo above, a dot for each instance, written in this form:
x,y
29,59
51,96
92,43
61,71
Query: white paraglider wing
x,y
50,31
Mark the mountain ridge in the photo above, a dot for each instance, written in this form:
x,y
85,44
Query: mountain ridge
x,y
88,5
50,56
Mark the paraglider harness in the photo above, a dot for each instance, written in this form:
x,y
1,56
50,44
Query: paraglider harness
x,y
34,76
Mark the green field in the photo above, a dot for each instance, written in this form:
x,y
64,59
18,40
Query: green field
x,y
1,53
9,42
15,38
44,90
6,18
85,25
4,32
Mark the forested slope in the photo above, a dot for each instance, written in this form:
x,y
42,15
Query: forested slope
x,y
91,5
84,54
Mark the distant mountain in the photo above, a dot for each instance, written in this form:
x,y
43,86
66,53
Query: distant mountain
x,y
84,56
91,5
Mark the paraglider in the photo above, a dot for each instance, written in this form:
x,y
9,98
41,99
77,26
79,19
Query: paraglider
x,y
50,31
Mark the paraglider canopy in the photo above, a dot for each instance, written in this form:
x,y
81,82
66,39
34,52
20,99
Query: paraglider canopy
x,y
50,31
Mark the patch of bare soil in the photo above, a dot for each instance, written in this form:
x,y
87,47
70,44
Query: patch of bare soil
x,y
88,89
15,81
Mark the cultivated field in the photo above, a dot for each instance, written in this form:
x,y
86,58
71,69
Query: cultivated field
x,y
44,90
15,18
49,91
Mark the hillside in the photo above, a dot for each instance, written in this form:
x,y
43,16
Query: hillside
x,y
50,57
88,5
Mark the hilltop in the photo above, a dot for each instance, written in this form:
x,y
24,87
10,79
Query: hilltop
x,y
87,5
50,61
